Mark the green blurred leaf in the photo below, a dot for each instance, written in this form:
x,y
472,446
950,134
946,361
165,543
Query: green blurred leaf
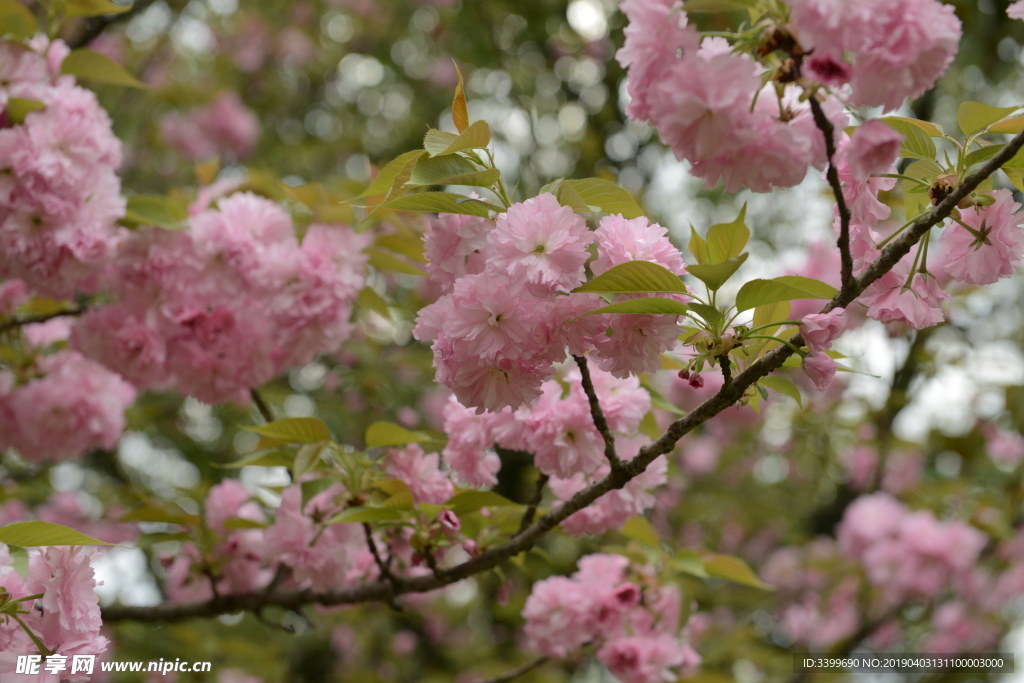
x,y
382,433
710,314
1009,126
649,306
734,569
639,529
727,240
688,562
276,458
294,430
242,523
783,386
974,116
19,107
392,487
635,277
717,274
36,534
144,209
785,288
399,501
16,20
314,487
385,260
362,514
471,501
929,128
93,8
85,64
371,300
166,513
406,245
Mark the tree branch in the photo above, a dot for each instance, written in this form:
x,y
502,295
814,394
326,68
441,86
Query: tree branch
x,y
531,509
597,414
518,671
97,26
42,318
262,406
828,130
382,591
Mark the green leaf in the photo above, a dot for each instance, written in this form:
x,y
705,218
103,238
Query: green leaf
x,y
699,247
16,20
362,514
19,107
929,128
392,487
654,305
974,116
635,277
314,487
649,426
399,501
639,529
395,172
471,501
785,288
145,209
1016,177
403,244
711,315
307,459
916,202
719,5
381,434
242,523
717,274
167,513
770,313
19,556
783,386
385,260
916,143
727,240
983,154
451,169
371,300
734,569
441,202
1009,126
85,64
276,458
605,197
476,136
460,113
294,430
93,8
689,562
36,534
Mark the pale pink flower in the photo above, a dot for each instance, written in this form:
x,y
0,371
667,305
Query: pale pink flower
x,y
1016,10
222,127
74,406
820,329
452,247
229,500
556,616
644,659
821,368
71,608
874,147
1006,448
539,242
636,343
620,240
420,472
996,247
889,300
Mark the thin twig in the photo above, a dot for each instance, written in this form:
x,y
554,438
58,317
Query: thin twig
x,y
383,567
382,591
531,508
517,672
597,414
262,406
42,318
828,130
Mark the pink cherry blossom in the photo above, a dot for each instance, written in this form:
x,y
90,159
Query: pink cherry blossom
x,y
452,246
540,243
1016,10
421,472
820,329
993,250
620,240
222,127
873,148
890,300
820,367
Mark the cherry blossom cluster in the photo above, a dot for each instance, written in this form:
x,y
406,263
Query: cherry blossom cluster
x,y
65,620
559,431
227,304
711,107
224,127
60,197
507,316
620,611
